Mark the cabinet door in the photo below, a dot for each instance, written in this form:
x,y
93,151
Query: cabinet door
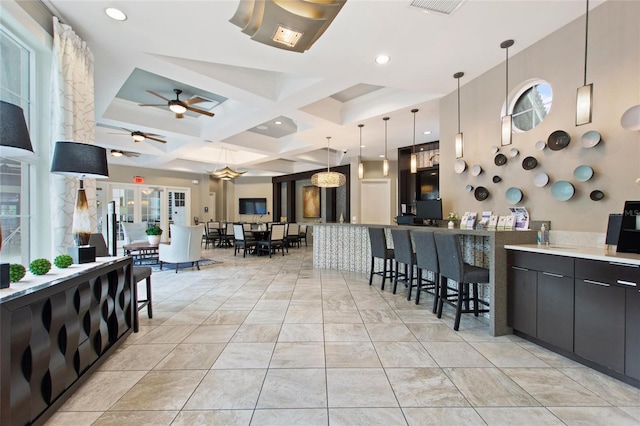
x,y
555,310
632,353
600,323
522,300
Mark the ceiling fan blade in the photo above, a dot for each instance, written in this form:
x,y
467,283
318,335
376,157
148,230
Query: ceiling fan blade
x,y
130,154
158,105
199,111
146,135
194,100
121,134
158,95
155,139
127,130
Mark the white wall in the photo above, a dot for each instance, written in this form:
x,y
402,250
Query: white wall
x,y
613,68
249,187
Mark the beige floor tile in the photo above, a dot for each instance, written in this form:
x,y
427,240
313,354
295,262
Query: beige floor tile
x,y
389,333
167,334
303,316
508,416
256,333
306,293
265,317
346,333
271,305
306,303
594,416
228,390
294,388
276,295
341,317
351,354
442,416
290,417
550,358
75,418
138,418
359,387
552,388
434,332
456,354
418,317
385,316
613,391
161,390
137,357
226,317
632,411
489,387
339,304
424,387
507,354
298,355
366,416
245,355
212,333
301,333
196,356
213,417
102,390
403,354
187,317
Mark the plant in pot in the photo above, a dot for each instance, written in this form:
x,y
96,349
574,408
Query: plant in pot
x,y
453,216
153,234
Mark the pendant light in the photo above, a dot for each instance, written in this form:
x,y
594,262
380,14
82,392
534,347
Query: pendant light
x,y
328,179
385,163
459,145
506,118
360,164
584,96
414,157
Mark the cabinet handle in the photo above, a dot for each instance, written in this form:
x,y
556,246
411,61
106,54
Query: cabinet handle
x,y
596,283
624,264
517,268
553,275
626,283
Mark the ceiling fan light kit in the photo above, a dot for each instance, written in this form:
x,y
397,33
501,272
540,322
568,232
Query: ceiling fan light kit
x,y
179,107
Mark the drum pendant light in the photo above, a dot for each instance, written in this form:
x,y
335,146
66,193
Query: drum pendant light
x,y
584,96
414,156
360,164
385,163
506,118
328,179
459,145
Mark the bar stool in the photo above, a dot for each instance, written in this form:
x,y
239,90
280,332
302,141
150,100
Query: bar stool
x,y
380,250
427,260
403,249
453,267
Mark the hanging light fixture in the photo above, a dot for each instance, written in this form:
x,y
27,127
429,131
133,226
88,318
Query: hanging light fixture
x,y
506,118
385,163
459,138
584,96
360,164
226,173
328,179
414,156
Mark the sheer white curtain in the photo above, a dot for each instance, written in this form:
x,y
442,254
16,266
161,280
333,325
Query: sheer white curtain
x,y
72,119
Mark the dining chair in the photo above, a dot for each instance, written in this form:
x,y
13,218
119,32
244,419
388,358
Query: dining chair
x,y
426,262
275,241
303,234
379,250
293,235
404,254
241,241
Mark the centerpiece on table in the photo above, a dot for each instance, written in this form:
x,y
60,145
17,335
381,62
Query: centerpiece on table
x,y
453,216
153,234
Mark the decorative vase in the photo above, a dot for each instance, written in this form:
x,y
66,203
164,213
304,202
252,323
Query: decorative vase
x,y
451,224
341,218
154,240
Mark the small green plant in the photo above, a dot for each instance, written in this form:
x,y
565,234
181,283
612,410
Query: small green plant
x,y
63,261
40,266
452,216
154,230
16,272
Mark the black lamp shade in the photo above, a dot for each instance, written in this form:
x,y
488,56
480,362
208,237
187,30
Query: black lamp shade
x,y
82,160
14,136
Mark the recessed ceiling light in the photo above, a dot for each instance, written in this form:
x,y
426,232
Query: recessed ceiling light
x,y
382,59
381,155
363,146
116,14
262,127
427,132
278,122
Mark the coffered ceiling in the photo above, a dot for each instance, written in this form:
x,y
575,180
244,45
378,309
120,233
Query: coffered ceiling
x,y
326,91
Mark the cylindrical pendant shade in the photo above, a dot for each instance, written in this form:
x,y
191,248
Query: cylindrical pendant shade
x,y
14,136
414,163
584,101
385,167
360,170
85,161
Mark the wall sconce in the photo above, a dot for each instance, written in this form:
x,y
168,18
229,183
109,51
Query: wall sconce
x,y
360,164
385,162
584,95
507,123
414,156
459,144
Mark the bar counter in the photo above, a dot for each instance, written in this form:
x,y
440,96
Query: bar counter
x,y
345,247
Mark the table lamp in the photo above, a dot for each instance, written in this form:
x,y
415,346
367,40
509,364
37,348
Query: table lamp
x,y
84,161
14,142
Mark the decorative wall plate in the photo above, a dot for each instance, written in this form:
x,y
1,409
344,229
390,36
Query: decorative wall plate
x,y
460,166
500,160
513,195
590,139
630,120
494,149
496,179
513,152
476,170
558,140
596,195
469,188
481,193
541,180
529,163
562,190
541,145
583,173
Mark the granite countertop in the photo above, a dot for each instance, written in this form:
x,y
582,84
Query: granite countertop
x,y
592,253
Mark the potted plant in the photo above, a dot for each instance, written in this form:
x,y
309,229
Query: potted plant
x,y
453,216
153,234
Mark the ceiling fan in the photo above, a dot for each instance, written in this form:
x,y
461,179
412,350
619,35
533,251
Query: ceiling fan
x,y
139,136
180,107
120,153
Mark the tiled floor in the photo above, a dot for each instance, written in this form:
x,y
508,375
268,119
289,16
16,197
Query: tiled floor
x,y
275,342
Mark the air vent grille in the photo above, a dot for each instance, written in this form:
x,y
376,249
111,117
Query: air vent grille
x,y
445,7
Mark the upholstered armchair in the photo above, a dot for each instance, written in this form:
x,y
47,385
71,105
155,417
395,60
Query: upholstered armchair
x,y
186,246
134,232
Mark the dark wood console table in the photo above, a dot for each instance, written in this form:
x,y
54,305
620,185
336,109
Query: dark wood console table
x,y
54,334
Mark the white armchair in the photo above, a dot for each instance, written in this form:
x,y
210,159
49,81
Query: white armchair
x,y
186,246
134,232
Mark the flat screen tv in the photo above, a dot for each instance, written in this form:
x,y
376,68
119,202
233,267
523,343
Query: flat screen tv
x,y
429,209
253,206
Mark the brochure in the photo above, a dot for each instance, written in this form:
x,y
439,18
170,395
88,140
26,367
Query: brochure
x,y
521,216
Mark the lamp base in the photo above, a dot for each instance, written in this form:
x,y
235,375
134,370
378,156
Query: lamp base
x,y
4,275
82,254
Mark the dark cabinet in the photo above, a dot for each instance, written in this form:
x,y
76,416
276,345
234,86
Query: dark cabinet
x,y
555,310
522,299
600,323
632,355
